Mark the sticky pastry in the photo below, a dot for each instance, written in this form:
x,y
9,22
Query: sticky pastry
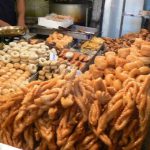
x,y
96,73
101,62
111,58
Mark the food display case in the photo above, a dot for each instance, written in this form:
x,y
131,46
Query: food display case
x,y
80,10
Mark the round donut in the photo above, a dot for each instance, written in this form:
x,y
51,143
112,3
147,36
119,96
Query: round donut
x,y
41,51
41,73
13,70
9,51
27,74
32,68
24,62
2,79
33,61
11,81
15,54
2,63
9,65
15,60
9,73
16,65
12,44
42,61
42,78
20,71
24,55
48,75
6,58
6,69
33,56
5,76
23,66
2,71
2,53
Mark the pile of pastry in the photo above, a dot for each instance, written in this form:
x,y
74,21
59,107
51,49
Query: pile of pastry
x,y
94,44
24,53
105,108
59,40
125,41
12,77
73,58
52,70
115,44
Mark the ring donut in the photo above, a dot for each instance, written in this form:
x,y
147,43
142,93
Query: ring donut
x,y
15,60
6,58
9,65
42,61
32,68
15,54
33,56
24,55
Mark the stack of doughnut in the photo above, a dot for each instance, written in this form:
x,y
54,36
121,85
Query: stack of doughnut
x,y
52,70
24,53
13,76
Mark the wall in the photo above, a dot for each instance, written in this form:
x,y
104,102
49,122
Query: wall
x,y
37,8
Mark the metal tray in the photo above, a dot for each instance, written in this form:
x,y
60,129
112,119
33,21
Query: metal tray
x,y
12,31
91,61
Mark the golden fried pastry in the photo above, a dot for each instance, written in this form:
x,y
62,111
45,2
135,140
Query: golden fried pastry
x,y
145,50
123,52
111,58
101,62
96,73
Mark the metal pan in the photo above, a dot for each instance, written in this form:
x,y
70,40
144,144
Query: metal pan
x,y
12,31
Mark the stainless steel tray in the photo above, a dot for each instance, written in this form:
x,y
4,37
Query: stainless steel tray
x,y
12,31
